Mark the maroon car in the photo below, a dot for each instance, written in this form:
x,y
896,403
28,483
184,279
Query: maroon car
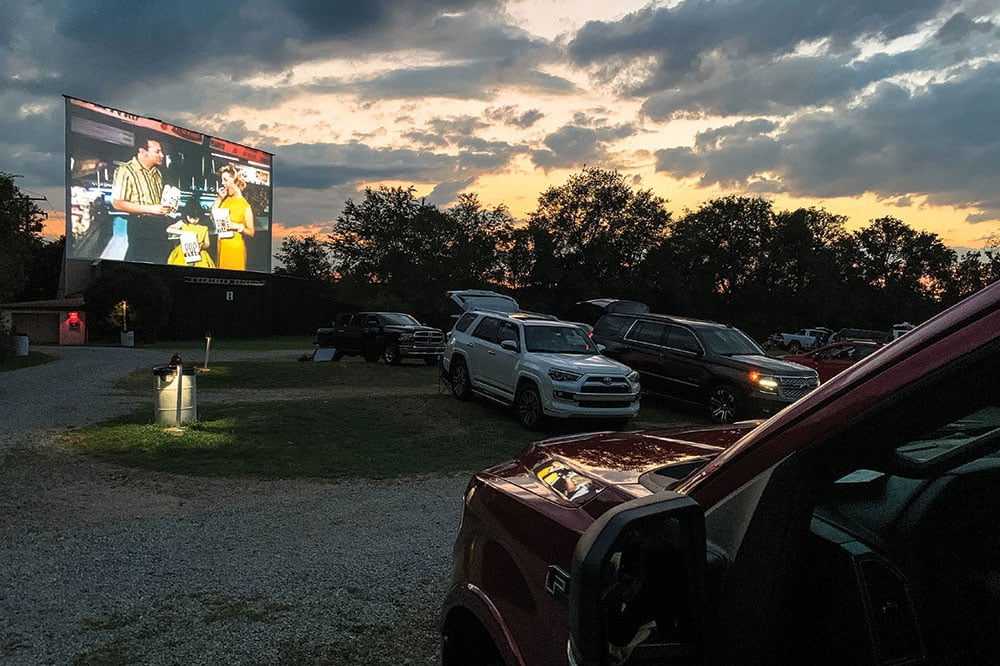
x,y
858,525
834,358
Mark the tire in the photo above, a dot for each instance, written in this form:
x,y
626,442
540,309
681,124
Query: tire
x,y
391,354
461,386
528,405
431,360
794,347
725,403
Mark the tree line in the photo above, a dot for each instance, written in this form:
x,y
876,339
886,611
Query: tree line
x,y
735,259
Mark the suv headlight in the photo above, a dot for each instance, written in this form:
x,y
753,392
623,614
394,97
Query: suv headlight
x,y
765,383
633,377
558,375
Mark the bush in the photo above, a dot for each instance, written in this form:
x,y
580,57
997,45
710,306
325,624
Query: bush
x,y
148,300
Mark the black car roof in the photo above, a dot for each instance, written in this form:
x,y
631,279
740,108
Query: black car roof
x,y
673,319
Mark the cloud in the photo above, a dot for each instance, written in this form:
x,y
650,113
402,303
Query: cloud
x,y
577,144
512,116
939,139
679,44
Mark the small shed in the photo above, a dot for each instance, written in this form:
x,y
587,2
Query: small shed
x,y
61,321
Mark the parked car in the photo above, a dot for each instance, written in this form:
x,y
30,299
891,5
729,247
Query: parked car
x,y
391,336
703,363
860,334
834,358
806,338
858,526
542,366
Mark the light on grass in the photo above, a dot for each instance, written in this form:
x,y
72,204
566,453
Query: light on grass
x,y
176,431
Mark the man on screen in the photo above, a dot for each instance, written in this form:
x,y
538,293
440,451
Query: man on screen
x,y
138,190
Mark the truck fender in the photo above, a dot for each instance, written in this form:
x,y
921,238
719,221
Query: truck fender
x,y
471,598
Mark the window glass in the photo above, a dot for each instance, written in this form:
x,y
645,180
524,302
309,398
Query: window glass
x,y
728,341
980,424
465,321
486,329
358,320
399,319
683,339
557,340
648,331
507,331
612,326
862,352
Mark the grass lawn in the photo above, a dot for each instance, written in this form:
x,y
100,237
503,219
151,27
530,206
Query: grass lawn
x,y
33,358
327,420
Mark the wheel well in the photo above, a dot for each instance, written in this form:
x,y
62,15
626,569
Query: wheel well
x,y
464,640
524,381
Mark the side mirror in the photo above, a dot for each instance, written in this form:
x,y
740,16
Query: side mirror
x,y
637,585
510,345
601,348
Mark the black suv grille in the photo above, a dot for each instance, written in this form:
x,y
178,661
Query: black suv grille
x,y
428,337
793,388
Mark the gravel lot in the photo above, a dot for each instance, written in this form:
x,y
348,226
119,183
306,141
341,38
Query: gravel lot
x,y
105,565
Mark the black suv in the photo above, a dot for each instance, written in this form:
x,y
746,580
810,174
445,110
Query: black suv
x,y
703,362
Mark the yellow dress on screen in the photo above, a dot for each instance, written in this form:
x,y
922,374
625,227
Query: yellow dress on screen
x,y
233,251
177,257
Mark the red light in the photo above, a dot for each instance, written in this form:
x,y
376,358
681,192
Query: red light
x,y
73,317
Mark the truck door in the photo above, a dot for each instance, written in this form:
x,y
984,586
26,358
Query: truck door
x,y
501,364
372,337
645,353
682,365
349,335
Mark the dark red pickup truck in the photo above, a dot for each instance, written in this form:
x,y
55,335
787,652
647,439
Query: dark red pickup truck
x,y
857,526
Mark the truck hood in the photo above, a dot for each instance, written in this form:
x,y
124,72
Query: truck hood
x,y
576,469
772,365
590,364
408,329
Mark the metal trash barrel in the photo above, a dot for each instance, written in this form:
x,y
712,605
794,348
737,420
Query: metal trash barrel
x,y
176,394
20,345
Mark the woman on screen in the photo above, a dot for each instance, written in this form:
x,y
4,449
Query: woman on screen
x,y
233,220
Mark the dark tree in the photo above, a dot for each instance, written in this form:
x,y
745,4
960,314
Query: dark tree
x,y
304,257
590,235
20,237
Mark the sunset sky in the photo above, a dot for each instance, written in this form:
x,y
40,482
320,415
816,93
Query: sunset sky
x,y
865,108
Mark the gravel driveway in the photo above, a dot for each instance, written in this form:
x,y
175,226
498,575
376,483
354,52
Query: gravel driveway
x,y
106,565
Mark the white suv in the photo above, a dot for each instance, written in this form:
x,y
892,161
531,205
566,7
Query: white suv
x,y
543,367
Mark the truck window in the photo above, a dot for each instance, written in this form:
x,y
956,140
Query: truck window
x,y
683,339
486,329
648,331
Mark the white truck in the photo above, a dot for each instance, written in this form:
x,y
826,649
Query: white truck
x,y
805,339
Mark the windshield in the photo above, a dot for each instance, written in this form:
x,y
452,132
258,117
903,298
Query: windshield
x,y
727,341
971,429
399,319
557,340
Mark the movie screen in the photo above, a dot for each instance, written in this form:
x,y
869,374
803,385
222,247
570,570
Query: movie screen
x,y
141,190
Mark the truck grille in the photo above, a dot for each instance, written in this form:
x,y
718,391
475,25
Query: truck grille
x,y
793,388
605,385
428,337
